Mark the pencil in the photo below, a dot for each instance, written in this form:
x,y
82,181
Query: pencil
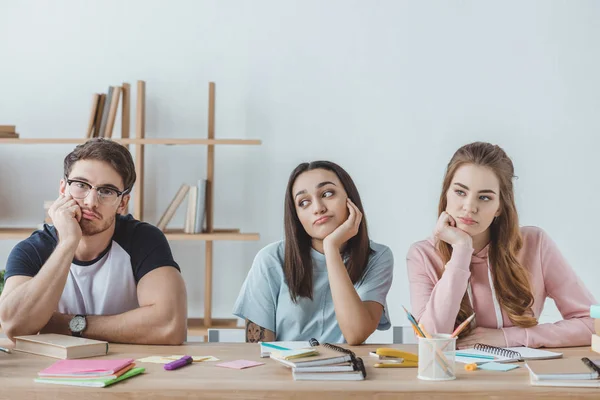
x,y
462,326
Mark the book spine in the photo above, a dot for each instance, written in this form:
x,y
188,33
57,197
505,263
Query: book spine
x,y
112,113
92,120
200,207
190,216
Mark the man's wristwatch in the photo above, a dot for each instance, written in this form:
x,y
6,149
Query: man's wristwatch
x,y
77,325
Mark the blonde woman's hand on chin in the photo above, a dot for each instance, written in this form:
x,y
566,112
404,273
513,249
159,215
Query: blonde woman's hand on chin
x,y
336,239
491,337
446,230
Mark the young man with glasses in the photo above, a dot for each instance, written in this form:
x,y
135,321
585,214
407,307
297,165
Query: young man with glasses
x,y
95,273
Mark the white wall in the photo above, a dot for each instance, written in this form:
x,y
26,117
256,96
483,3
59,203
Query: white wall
x,y
388,89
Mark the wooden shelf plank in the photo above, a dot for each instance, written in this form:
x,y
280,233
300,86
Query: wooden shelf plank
x,y
16,233
180,235
175,234
138,141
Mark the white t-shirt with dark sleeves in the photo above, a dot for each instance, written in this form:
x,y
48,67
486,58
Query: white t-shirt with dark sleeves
x,y
265,297
106,285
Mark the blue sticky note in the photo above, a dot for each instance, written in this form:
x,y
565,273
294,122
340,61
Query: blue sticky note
x,y
494,366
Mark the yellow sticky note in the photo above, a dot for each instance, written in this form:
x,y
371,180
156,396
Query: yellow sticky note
x,y
156,360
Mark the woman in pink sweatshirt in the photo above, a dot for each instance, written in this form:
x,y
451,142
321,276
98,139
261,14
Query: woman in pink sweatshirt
x,y
479,260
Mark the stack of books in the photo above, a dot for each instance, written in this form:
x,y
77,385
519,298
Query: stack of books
x,y
89,373
322,362
570,372
60,346
595,313
196,208
104,111
8,132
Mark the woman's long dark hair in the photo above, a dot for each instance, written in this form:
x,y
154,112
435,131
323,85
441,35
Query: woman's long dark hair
x,y
297,266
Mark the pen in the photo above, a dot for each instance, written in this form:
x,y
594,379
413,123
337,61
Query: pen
x,y
183,361
273,346
591,365
4,349
474,356
462,326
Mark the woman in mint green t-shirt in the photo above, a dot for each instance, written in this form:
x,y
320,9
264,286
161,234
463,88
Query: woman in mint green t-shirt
x,y
326,280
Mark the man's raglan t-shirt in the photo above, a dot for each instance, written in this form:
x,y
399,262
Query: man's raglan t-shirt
x,y
106,285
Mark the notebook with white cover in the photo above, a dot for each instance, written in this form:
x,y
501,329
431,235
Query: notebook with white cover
x,y
565,369
265,351
508,354
358,373
593,383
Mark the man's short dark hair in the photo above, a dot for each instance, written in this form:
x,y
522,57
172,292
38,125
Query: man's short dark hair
x,y
100,149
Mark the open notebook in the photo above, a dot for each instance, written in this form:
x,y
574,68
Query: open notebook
x,y
267,347
482,353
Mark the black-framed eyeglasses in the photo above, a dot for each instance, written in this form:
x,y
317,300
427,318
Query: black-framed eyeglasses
x,y
106,195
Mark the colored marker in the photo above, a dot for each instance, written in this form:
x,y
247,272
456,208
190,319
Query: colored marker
x,y
183,361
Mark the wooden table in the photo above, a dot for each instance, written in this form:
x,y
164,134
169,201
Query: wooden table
x,y
205,380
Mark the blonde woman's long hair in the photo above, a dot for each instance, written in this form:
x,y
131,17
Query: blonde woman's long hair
x,y
511,279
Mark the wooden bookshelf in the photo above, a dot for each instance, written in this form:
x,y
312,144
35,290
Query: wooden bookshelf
x,y
144,141
171,234
139,142
16,233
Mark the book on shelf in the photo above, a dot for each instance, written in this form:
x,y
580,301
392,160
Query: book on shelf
x,y
92,119
112,112
8,128
190,216
60,346
172,208
105,111
8,132
99,113
200,217
195,215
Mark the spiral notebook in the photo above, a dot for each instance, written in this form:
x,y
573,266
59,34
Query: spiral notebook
x,y
355,371
326,354
482,353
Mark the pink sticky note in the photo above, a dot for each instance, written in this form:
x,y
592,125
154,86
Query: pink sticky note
x,y
240,364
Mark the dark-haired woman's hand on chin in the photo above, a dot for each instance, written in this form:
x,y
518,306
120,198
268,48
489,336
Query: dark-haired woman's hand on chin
x,y
491,337
446,230
346,231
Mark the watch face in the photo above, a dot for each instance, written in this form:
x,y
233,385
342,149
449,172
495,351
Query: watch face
x,y
77,324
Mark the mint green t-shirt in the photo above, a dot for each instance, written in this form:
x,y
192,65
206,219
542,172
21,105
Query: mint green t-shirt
x,y
265,298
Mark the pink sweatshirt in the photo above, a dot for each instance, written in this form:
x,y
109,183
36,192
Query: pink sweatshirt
x,y
435,302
